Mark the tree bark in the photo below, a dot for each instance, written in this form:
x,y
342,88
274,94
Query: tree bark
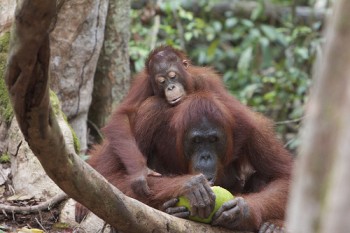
x,y
271,11
27,80
319,201
76,44
112,77
7,8
245,8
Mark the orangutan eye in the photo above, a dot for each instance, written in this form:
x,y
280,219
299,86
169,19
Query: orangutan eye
x,y
197,139
161,80
172,74
213,139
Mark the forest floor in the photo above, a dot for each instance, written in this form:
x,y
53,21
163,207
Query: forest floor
x,y
41,221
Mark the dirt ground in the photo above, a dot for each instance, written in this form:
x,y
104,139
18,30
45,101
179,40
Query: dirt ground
x,y
46,220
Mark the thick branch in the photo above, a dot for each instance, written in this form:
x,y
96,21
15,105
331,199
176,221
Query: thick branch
x,y
27,78
271,11
245,8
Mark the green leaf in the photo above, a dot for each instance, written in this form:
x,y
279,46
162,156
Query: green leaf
x,y
185,14
266,52
270,96
228,76
245,59
212,48
254,33
269,79
249,90
269,31
217,26
188,36
257,12
210,36
200,23
247,23
302,52
231,22
281,38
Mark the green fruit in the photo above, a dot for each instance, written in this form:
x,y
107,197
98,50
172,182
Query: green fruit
x,y
222,196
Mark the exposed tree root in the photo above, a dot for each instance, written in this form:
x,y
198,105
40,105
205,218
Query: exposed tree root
x,y
32,209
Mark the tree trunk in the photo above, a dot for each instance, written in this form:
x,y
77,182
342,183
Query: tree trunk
x,y
112,78
320,194
76,43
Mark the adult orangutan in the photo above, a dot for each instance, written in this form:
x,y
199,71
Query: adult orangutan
x,y
206,141
229,144
169,76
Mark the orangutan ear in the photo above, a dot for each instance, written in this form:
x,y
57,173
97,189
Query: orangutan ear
x,y
186,63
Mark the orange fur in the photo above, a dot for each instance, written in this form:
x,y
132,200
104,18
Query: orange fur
x,y
146,130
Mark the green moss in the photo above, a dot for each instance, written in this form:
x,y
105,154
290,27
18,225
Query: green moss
x,y
5,42
55,104
75,141
60,226
5,158
6,111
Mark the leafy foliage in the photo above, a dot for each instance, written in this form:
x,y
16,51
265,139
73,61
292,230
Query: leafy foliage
x,y
265,65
